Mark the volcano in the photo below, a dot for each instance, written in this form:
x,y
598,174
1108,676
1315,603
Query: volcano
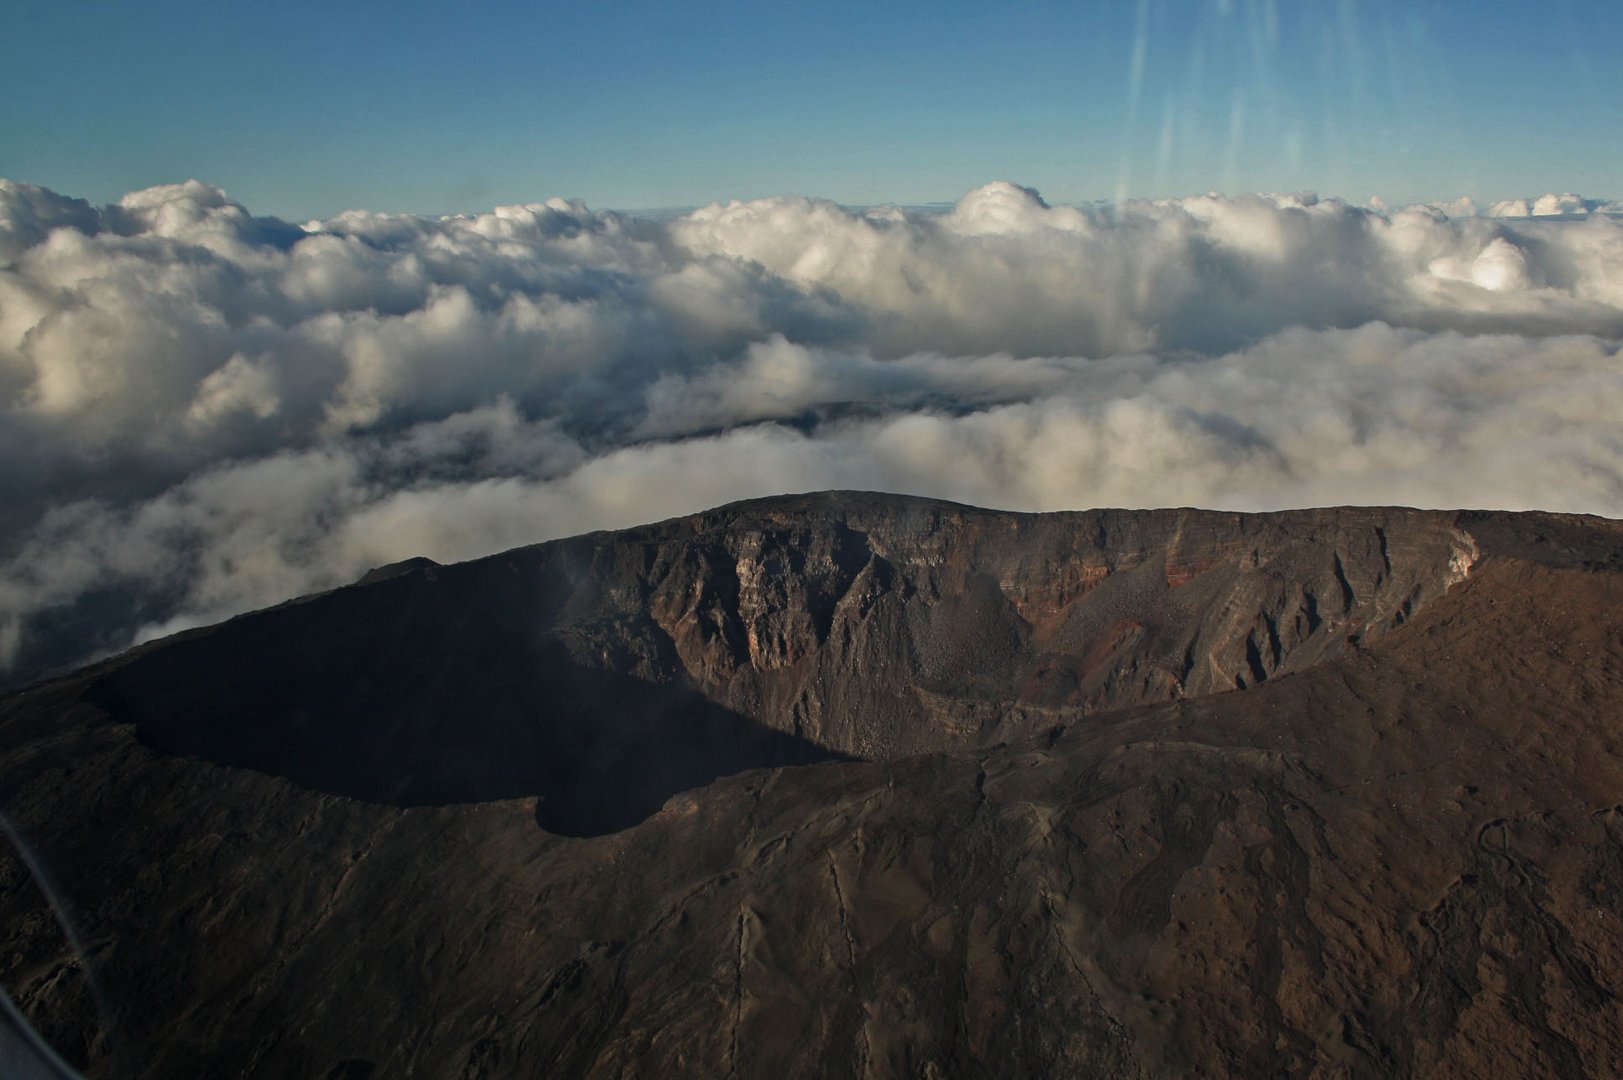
x,y
851,784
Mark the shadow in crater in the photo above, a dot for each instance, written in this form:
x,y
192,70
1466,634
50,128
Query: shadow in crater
x,y
416,704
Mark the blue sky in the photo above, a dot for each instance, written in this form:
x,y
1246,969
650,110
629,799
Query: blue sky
x,y
302,109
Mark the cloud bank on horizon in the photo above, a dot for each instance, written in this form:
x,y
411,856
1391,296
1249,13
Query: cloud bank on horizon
x,y
208,411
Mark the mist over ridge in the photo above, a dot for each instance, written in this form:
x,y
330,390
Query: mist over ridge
x,y
209,411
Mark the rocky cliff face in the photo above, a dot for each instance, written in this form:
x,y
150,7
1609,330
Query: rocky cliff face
x,y
1115,793
829,616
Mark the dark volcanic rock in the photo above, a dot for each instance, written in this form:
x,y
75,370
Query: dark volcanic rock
x,y
1146,793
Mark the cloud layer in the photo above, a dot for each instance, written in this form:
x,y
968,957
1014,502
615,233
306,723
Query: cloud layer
x,y
207,411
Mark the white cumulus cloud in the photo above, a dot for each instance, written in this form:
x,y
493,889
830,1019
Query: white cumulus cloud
x,y
207,411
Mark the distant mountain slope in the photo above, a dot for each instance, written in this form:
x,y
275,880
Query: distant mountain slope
x,y
305,842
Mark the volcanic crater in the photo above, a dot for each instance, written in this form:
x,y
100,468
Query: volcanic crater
x,y
851,784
